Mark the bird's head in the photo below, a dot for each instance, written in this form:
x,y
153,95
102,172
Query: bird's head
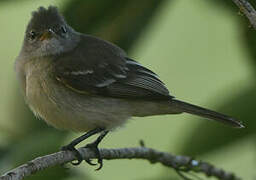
x,y
48,33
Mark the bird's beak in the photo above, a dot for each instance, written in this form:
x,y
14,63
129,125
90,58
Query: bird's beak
x,y
46,35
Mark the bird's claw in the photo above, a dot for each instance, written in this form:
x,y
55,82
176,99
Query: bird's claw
x,y
89,161
94,147
76,153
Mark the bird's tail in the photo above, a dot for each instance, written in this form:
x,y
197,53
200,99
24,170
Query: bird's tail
x,y
200,111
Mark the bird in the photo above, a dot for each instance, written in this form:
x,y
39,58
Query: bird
x,y
82,83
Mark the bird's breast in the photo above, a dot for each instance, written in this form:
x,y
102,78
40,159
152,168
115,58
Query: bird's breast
x,y
65,109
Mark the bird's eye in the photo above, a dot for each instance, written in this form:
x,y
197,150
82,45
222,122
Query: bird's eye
x,y
32,35
63,29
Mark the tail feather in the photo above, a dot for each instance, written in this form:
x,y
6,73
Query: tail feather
x,y
200,111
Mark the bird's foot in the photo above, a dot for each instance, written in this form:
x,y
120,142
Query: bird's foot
x,y
76,153
94,147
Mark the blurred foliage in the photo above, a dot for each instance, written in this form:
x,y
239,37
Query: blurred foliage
x,y
250,42
248,32
205,138
120,22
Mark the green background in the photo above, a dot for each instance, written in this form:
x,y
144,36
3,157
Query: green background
x,y
202,50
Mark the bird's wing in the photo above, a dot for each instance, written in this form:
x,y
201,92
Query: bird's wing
x,y
101,69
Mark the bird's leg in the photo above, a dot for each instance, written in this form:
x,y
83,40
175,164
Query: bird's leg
x,y
94,146
71,146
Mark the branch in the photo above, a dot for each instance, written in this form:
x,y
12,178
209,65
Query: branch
x,y
248,11
178,163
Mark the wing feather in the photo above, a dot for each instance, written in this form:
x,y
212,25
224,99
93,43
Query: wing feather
x,y
100,68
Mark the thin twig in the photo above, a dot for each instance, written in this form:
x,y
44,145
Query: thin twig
x,y
247,9
179,163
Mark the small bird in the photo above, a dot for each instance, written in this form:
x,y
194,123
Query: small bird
x,y
82,83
